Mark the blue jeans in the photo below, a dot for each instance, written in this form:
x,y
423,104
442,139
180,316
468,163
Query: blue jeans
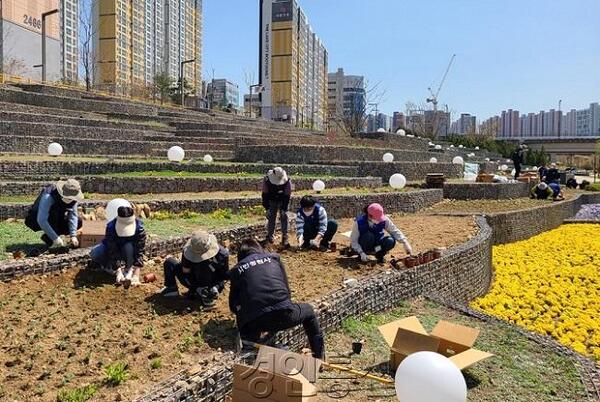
x,y
310,232
555,188
99,255
368,242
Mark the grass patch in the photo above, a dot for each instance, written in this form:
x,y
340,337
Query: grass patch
x,y
15,236
173,173
115,374
77,395
155,364
530,372
595,187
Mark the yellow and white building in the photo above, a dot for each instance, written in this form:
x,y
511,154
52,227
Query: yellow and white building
x,y
135,40
293,66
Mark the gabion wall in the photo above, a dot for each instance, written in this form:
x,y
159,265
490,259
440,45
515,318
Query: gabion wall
x,y
487,191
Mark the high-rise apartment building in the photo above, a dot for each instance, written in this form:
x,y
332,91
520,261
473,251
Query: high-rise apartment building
x,y
466,124
378,121
136,40
509,124
292,66
398,121
20,38
345,95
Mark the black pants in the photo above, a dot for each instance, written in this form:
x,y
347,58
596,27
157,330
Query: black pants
x,y
517,170
300,313
310,232
173,271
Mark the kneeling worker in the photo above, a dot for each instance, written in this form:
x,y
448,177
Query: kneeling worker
x,y
312,226
541,191
368,234
55,212
125,240
260,298
202,270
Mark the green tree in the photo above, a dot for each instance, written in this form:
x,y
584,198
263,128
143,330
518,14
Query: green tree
x,y
176,92
163,86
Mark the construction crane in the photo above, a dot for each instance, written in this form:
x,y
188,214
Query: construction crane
x,y
434,96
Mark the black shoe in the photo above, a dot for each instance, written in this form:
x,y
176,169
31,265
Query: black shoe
x,y
47,240
208,297
380,259
323,248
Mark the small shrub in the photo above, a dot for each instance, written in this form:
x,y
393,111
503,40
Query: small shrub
x,y
149,332
155,364
593,187
222,214
76,395
116,374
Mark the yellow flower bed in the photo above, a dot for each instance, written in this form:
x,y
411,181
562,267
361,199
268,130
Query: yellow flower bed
x,y
550,284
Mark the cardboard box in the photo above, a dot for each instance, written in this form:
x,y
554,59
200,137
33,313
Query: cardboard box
x,y
92,233
485,178
276,376
407,336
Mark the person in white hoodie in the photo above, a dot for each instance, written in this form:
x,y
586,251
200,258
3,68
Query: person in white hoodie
x,y
368,234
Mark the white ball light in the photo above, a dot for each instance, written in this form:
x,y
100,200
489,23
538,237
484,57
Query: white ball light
x,y
431,144
429,377
381,130
433,160
113,207
207,158
176,154
55,149
388,157
451,146
535,168
398,181
503,167
476,148
401,132
458,160
438,147
460,146
508,161
318,186
487,159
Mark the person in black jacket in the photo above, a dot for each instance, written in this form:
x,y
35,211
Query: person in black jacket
x,y
125,241
276,194
552,175
261,301
203,269
518,158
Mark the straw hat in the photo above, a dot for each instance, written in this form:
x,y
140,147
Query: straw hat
x,y
69,190
202,246
277,176
125,225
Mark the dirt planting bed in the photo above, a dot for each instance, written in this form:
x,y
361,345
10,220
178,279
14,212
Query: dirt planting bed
x,y
61,332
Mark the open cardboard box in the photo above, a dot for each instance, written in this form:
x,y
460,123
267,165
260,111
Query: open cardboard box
x,y
92,233
276,376
407,336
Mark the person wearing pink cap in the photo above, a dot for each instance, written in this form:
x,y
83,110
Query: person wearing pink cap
x,y
368,234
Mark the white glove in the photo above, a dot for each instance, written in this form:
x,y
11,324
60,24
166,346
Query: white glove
x,y
364,257
59,242
75,241
300,241
408,248
314,243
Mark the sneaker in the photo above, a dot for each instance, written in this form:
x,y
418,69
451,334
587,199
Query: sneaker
x,y
120,277
208,297
135,281
380,259
169,292
127,280
323,248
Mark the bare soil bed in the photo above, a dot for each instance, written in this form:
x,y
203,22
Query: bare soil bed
x,y
60,332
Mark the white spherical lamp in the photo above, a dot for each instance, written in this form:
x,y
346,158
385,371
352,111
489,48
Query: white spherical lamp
x,y
535,168
388,157
504,167
458,160
487,159
207,158
451,146
433,160
176,154
438,147
55,149
476,148
113,207
381,130
401,132
318,186
429,377
460,146
398,181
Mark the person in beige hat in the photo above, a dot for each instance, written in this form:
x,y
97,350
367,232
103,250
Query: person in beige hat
x,y
276,194
202,269
125,241
55,213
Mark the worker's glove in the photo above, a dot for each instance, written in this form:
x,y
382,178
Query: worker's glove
x,y
301,241
407,248
59,242
75,242
314,243
364,257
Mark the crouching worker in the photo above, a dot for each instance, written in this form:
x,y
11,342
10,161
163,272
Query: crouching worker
x,y
541,191
55,213
368,234
125,241
202,270
276,193
260,299
312,226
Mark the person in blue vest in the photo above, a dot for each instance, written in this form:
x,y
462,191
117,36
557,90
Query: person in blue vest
x,y
125,241
368,234
313,228
260,298
276,194
55,213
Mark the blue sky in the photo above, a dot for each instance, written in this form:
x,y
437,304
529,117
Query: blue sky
x,y
524,54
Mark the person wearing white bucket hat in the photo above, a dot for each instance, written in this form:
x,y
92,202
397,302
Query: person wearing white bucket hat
x,y
203,269
125,241
541,191
55,213
276,194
